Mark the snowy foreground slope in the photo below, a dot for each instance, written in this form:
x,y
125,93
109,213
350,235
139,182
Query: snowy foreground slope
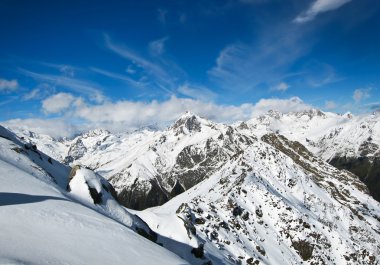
x,y
42,223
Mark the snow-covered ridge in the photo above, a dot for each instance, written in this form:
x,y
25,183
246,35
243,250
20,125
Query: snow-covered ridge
x,y
274,203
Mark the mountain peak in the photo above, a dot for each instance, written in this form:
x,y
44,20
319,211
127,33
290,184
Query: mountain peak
x,y
188,122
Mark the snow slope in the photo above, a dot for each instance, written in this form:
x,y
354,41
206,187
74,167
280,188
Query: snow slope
x,y
42,223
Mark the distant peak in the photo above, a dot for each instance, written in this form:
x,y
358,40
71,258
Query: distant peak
x,y
96,132
312,112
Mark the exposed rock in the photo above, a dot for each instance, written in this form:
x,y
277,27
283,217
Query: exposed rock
x,y
304,249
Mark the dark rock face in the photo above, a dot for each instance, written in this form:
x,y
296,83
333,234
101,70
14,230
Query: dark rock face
x,y
304,249
95,195
145,230
139,197
76,151
176,190
198,252
367,169
191,123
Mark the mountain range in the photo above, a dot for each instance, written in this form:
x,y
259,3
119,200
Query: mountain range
x,y
281,188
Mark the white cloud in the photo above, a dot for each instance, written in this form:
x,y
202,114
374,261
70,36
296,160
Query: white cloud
x,y
360,94
157,47
8,85
283,105
125,115
319,6
281,87
329,105
57,103
52,127
129,114
197,92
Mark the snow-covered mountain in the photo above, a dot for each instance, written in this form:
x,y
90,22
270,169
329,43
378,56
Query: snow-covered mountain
x,y
233,194
274,203
345,141
148,167
51,214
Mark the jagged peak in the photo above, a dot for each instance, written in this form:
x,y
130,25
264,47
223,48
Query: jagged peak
x,y
189,121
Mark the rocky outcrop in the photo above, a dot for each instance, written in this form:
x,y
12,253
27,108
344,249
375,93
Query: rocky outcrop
x,y
366,168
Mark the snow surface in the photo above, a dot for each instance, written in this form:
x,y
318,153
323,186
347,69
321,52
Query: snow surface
x,y
41,223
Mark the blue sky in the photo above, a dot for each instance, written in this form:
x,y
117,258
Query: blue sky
x,y
76,65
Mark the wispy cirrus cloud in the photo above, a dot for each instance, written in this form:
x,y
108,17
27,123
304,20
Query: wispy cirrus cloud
x,y
317,74
34,93
125,78
156,74
197,92
41,91
243,66
319,6
134,57
90,89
